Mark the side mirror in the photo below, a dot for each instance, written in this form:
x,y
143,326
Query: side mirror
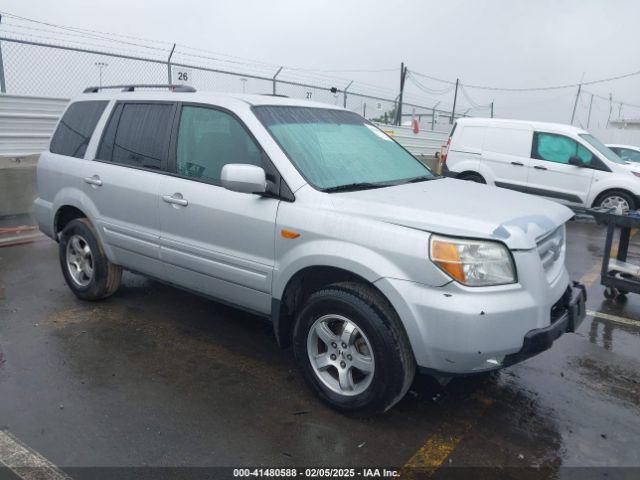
x,y
576,162
243,178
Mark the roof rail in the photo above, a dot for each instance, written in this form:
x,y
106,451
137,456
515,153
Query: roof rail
x,y
133,87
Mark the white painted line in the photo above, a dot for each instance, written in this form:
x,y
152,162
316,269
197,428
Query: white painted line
x,y
614,318
25,462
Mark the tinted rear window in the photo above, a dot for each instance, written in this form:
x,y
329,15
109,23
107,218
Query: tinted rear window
x,y
76,127
138,135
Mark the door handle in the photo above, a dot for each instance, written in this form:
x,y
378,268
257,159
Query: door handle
x,y
517,164
538,167
93,180
176,199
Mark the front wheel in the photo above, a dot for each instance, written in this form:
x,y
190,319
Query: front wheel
x,y
620,202
352,349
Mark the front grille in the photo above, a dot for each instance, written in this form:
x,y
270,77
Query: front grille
x,y
551,247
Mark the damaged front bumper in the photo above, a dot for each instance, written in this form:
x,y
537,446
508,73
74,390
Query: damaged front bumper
x,y
573,311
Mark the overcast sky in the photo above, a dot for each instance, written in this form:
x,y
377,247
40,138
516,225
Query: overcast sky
x,y
482,42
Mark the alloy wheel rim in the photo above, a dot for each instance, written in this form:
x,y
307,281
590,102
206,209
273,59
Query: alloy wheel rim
x,y
620,205
79,260
340,354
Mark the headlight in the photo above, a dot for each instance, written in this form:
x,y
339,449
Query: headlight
x,y
475,263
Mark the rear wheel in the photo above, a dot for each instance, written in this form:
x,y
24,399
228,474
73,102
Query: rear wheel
x,y
472,177
85,267
352,349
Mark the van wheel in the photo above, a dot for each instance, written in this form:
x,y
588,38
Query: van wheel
x,y
85,267
472,177
352,349
619,200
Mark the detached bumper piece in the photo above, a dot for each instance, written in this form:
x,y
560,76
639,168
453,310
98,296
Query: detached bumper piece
x,y
566,316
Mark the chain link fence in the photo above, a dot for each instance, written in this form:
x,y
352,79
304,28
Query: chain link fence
x,y
31,67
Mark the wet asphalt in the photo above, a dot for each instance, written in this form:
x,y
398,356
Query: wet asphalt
x,y
155,376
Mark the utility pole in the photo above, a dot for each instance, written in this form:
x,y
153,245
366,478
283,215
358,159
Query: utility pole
x,y
610,108
589,115
575,104
455,99
491,108
403,74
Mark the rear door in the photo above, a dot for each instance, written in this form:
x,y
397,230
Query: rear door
x,y
123,182
213,240
506,153
551,175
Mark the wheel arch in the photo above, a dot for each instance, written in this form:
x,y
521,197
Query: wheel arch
x,y
300,286
607,191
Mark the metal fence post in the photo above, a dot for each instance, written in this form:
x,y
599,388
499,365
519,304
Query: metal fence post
x,y
344,92
274,80
169,63
433,116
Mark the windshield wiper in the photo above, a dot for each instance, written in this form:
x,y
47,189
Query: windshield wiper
x,y
422,178
350,187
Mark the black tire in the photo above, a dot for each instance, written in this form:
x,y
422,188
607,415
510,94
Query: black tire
x,y
472,177
394,362
106,276
630,199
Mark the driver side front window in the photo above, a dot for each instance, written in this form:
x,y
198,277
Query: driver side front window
x,y
559,149
208,139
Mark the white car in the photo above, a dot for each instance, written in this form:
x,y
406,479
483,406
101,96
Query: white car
x,y
628,153
560,162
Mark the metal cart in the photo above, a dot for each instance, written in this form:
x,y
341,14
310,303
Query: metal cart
x,y
618,276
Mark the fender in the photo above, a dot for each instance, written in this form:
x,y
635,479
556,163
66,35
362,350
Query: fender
x,y
356,259
615,181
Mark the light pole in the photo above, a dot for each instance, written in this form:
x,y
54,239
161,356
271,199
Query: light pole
x,y
100,66
244,84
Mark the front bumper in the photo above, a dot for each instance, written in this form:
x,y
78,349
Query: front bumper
x,y
456,330
541,339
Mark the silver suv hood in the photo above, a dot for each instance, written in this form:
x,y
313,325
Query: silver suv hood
x,y
455,207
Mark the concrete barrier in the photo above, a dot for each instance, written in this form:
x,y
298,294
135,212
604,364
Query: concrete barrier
x,y
17,184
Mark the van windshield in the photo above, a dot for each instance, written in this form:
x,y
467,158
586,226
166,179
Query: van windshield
x,y
337,150
602,148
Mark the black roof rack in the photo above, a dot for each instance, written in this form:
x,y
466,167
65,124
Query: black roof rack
x,y
274,95
133,87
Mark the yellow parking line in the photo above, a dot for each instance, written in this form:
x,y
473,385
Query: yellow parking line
x,y
614,318
439,446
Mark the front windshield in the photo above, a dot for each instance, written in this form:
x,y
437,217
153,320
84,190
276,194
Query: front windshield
x,y
628,155
336,149
602,148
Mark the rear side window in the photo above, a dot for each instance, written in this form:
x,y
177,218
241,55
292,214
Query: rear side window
x,y
138,135
208,139
76,127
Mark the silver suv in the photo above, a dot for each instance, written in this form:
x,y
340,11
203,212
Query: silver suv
x,y
368,264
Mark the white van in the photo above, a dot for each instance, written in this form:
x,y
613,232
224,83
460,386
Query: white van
x,y
560,162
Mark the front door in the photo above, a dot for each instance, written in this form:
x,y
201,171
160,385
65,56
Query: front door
x,y
213,240
552,176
